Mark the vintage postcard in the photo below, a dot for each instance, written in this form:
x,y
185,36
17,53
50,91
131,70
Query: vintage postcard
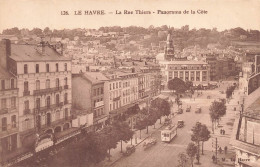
x,y
129,83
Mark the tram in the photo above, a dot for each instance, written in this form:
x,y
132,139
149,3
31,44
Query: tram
x,y
168,133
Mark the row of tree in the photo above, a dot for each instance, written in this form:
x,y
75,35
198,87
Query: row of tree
x,y
93,147
200,134
149,116
217,110
179,86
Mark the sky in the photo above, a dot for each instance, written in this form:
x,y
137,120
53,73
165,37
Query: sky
x,y
222,14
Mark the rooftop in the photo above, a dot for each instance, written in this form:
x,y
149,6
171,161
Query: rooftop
x,y
185,62
95,77
23,52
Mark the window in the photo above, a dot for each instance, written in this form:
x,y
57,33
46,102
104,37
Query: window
x,y
94,103
66,113
13,121
26,105
3,84
57,82
25,68
26,87
65,67
65,98
48,102
47,68
37,68
102,91
38,103
66,81
12,83
110,86
47,84
119,84
13,102
4,124
57,116
57,67
113,85
3,103
37,85
57,99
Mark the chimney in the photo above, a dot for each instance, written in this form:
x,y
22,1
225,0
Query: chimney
x,y
6,48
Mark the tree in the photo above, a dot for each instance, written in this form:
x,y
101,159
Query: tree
x,y
177,85
132,112
205,135
111,138
47,31
124,133
196,136
36,31
140,125
183,159
191,151
217,110
161,106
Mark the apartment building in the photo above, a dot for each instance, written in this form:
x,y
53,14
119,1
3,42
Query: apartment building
x,y
88,95
9,134
43,77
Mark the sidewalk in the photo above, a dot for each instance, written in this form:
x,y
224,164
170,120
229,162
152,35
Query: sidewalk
x,y
116,153
225,123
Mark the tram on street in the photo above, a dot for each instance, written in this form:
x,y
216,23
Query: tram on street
x,y
168,133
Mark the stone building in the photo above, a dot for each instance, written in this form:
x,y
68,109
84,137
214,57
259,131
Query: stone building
x,y
43,79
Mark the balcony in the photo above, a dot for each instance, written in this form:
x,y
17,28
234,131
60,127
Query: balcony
x,y
46,91
26,93
66,86
46,108
116,98
3,111
26,111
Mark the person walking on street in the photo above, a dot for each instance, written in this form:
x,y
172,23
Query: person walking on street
x,y
213,158
225,148
220,150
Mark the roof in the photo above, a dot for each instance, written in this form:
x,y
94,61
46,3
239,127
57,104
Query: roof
x,y
253,110
21,52
185,62
95,77
4,73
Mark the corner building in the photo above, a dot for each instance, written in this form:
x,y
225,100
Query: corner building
x,y
44,96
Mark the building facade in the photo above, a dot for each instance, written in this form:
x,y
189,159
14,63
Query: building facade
x,y
88,95
9,133
195,71
43,77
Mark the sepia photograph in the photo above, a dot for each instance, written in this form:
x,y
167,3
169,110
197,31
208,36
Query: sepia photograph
x,y
130,83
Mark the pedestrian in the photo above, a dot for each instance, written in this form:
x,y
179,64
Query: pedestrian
x,y
225,148
224,132
213,158
220,150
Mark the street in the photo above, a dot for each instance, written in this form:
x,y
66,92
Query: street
x,y
166,154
